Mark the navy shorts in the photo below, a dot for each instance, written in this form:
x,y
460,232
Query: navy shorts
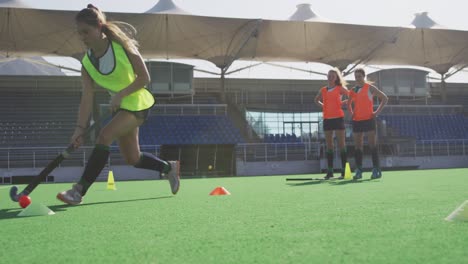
x,y
333,124
364,125
140,115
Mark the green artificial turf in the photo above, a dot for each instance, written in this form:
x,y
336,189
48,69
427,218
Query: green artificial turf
x,y
397,219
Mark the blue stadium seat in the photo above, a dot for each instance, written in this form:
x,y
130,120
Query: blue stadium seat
x,y
179,130
429,127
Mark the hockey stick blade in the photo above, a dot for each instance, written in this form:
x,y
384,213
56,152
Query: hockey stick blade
x,y
46,171
14,194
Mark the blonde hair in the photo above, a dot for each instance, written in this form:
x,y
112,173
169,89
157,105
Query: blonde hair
x,y
339,77
120,32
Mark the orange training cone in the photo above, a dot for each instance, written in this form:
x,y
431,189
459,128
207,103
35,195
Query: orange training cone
x,y
220,191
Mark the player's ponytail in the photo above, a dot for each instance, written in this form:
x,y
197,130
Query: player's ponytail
x,y
121,32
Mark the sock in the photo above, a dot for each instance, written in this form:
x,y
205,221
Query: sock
x,y
358,158
375,157
150,162
96,163
330,160
344,159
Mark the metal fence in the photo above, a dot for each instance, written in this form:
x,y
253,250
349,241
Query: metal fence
x,y
39,157
190,109
278,151
452,147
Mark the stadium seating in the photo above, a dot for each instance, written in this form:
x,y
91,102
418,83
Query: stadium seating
x,y
36,119
31,119
281,138
188,130
429,127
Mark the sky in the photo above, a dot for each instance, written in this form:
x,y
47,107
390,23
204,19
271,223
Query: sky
x,y
448,13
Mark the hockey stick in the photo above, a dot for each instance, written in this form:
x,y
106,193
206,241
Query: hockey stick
x,y
305,179
14,195
312,179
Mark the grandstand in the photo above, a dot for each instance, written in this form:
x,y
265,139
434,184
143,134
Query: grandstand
x,y
189,130
259,127
429,127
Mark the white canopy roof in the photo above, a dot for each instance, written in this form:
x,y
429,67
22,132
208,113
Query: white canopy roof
x,y
305,13
27,66
223,40
13,4
167,7
422,20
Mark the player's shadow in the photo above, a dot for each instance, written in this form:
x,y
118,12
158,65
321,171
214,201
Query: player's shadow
x,y
13,212
9,213
351,182
331,182
62,207
307,182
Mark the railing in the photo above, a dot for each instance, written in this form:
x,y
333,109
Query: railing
x,y
278,151
300,99
451,147
192,109
423,109
39,157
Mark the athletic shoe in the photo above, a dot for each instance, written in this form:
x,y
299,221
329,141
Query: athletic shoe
x,y
358,174
173,175
328,176
72,196
376,173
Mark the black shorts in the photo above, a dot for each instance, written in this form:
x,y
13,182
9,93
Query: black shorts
x,y
140,115
333,124
364,125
